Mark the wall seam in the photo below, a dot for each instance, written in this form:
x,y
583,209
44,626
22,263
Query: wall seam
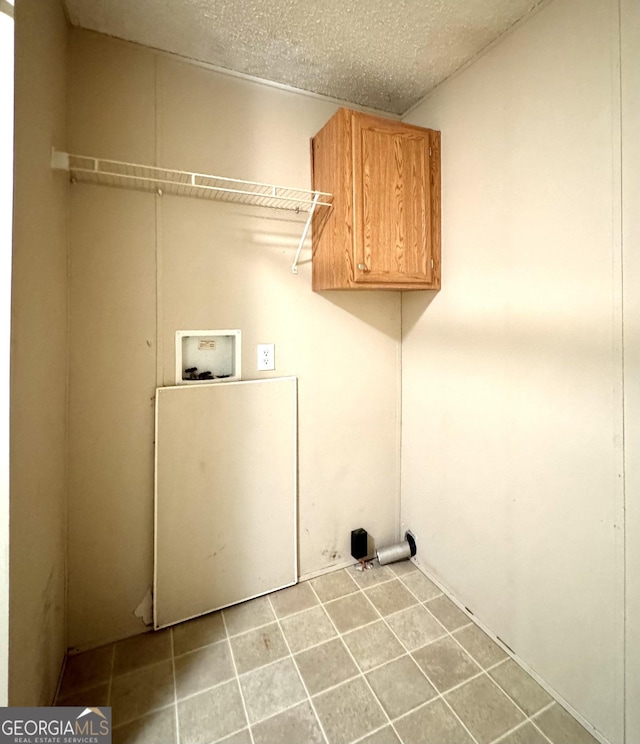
x,y
67,407
400,412
158,233
623,495
618,266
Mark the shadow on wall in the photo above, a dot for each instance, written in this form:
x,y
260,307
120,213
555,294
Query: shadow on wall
x,y
420,301
236,252
369,307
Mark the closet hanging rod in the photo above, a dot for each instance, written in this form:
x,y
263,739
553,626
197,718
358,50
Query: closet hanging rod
x,y
101,171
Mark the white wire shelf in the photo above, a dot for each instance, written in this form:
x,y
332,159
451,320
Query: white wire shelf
x,y
120,174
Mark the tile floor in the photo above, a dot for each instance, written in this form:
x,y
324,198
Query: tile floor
x,y
378,657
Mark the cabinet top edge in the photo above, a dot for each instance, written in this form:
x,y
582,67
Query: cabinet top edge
x,y
351,114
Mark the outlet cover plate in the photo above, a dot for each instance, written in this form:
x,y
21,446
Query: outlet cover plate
x,y
266,357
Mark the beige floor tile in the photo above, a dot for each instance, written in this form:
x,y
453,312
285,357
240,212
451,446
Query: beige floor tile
x,y
384,735
141,650
415,627
93,697
248,615
297,725
370,576
348,711
307,629
87,670
484,709
418,617
445,663
200,631
333,585
479,646
293,599
211,715
402,568
258,647
156,728
203,668
373,645
421,586
351,612
562,728
400,686
447,613
140,692
390,597
526,734
326,665
434,723
521,687
271,689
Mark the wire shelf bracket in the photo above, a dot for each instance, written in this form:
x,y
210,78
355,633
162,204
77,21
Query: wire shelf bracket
x,y
84,169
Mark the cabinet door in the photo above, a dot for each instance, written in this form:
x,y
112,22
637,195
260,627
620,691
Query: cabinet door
x,y
392,202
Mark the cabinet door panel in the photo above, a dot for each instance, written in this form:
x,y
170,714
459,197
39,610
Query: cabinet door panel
x,y
391,223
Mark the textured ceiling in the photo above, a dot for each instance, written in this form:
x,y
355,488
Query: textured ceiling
x,y
382,54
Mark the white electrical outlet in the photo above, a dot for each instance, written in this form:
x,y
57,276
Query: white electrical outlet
x,y
266,357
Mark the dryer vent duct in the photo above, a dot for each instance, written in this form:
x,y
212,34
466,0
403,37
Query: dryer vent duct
x,y
399,552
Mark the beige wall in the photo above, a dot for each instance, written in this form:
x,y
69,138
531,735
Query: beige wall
x,y
143,266
38,358
6,237
512,458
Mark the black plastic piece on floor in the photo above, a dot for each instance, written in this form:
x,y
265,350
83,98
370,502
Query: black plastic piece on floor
x,y
359,543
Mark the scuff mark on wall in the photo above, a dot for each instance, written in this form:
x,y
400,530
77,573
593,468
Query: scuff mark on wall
x,y
50,654
145,609
332,555
213,555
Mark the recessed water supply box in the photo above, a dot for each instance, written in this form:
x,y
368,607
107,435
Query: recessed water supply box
x,y
208,356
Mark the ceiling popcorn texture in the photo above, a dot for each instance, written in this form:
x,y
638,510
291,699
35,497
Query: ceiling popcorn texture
x,y
380,54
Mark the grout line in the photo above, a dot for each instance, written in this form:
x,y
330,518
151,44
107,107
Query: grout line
x,y
439,694
275,617
276,714
502,737
207,689
230,736
140,668
237,679
357,666
336,637
304,684
195,650
370,733
355,676
513,701
542,710
146,714
446,632
529,719
512,654
341,637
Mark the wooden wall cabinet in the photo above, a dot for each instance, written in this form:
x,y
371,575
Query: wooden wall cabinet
x,y
383,230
